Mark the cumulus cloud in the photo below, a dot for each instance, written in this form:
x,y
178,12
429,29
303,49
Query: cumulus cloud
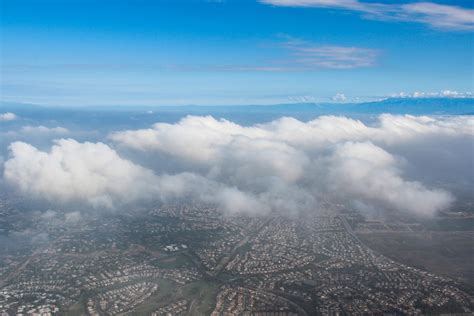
x,y
44,130
339,97
305,156
439,16
204,139
74,171
199,137
281,166
8,116
367,171
95,174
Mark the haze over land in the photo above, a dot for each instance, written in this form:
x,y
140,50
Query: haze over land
x,y
236,157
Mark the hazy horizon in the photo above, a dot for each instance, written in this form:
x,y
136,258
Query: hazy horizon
x,y
236,157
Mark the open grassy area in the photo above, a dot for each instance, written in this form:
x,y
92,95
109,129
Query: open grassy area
x,y
167,293
202,293
78,308
178,260
450,224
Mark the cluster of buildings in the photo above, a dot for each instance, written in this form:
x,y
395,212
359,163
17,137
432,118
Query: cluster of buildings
x,y
266,266
121,300
175,309
213,252
244,301
130,273
44,304
275,248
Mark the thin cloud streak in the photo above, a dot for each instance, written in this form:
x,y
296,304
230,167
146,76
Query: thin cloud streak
x,y
441,94
298,55
438,16
312,56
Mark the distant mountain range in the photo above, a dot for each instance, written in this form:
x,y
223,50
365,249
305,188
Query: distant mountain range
x,y
415,106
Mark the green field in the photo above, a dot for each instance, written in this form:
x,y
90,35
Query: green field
x,y
201,294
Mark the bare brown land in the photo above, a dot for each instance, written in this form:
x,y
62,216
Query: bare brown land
x,y
449,253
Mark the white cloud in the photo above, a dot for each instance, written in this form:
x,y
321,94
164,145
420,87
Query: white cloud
x,y
199,138
315,56
44,130
73,171
285,165
367,171
204,139
339,97
440,94
95,174
301,55
8,116
302,98
303,158
440,16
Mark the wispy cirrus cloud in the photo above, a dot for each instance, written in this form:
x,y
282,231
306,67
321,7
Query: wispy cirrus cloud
x,y
439,16
300,55
293,55
310,55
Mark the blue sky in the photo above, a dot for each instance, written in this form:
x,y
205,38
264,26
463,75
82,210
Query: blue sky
x,y
232,52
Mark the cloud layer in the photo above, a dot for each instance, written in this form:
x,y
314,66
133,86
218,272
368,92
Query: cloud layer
x,y
283,166
439,16
440,94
